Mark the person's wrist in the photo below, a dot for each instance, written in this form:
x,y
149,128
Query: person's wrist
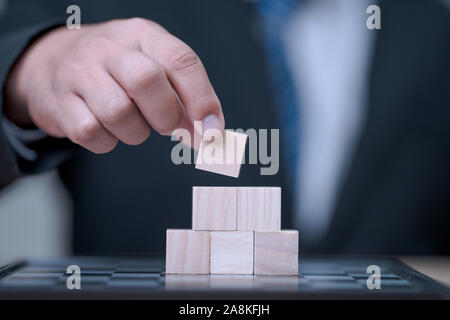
x,y
14,92
20,80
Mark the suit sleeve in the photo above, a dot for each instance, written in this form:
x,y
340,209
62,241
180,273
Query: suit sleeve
x,y
48,152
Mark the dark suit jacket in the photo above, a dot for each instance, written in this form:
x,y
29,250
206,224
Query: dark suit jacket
x,y
394,199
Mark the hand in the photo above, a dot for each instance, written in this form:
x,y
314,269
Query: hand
x,y
109,82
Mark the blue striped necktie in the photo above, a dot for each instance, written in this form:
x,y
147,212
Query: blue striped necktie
x,y
274,14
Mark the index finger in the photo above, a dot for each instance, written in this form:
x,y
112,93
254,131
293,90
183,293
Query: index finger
x,y
188,77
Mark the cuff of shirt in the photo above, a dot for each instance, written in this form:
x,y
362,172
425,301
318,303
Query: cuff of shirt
x,y
25,151
20,139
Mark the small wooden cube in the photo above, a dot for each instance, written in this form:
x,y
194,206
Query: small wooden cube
x,y
232,252
276,253
259,209
214,208
187,252
223,155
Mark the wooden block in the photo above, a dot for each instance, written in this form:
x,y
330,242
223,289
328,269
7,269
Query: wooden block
x,y
214,208
232,252
224,154
259,209
187,252
276,253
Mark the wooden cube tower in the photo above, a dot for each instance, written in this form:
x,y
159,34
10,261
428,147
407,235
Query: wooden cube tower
x,y
235,230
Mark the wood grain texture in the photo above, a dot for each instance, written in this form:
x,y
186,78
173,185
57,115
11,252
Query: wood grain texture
x,y
259,208
232,252
223,155
187,252
214,208
276,253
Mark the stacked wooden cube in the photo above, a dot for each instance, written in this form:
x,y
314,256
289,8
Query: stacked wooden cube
x,y
234,231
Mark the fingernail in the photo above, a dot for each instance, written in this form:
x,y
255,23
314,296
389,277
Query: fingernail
x,y
211,122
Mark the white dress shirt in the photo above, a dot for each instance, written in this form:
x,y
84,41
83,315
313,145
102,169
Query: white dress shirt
x,y
328,47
